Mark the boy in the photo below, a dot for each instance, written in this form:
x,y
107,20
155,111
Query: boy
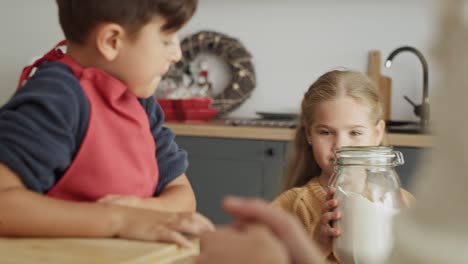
x,y
82,147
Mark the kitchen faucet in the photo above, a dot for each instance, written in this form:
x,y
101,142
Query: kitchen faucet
x,y
421,110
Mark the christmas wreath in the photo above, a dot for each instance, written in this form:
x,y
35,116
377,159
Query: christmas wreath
x,y
234,54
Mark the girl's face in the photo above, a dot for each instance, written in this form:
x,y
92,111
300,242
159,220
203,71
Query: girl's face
x,y
341,122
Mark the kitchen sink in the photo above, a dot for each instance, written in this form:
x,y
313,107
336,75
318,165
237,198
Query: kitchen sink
x,y
404,127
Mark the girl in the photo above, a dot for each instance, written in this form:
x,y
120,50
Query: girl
x,y
342,108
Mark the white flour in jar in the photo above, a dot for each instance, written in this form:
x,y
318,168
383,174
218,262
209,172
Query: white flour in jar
x,y
366,230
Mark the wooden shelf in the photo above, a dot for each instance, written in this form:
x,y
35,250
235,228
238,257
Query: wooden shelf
x,y
218,129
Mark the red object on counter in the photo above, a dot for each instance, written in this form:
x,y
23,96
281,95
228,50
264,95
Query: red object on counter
x,y
191,109
196,114
169,114
165,103
192,103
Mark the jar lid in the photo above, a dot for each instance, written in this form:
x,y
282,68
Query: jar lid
x,y
369,155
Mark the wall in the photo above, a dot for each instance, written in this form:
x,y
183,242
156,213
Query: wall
x,y
29,28
292,42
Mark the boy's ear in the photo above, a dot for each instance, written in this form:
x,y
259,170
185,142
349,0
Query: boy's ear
x,y
109,40
380,131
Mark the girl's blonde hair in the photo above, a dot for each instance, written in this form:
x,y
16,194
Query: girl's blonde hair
x,y
302,166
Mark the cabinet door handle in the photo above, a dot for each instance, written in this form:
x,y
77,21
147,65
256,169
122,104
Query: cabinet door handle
x,y
270,152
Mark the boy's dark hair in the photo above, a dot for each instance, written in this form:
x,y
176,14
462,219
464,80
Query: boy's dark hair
x,y
79,17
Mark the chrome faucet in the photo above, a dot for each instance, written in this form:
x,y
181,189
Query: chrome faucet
x,y
421,110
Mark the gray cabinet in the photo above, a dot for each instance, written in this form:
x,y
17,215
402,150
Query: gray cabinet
x,y
220,167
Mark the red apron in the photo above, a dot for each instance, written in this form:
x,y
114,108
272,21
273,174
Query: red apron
x,y
118,152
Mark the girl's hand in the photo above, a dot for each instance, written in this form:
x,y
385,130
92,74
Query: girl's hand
x,y
324,232
408,199
150,225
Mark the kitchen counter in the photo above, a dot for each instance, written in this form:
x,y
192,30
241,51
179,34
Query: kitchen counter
x,y
218,129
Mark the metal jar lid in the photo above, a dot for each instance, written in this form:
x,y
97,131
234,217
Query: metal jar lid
x,y
369,156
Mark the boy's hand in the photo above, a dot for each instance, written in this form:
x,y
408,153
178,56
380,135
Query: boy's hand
x,y
126,200
177,196
324,232
170,227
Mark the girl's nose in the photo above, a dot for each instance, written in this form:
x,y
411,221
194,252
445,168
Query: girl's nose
x,y
339,142
336,145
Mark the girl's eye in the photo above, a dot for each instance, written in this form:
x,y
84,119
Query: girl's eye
x,y
324,132
356,133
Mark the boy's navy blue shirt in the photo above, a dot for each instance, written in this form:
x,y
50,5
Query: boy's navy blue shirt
x,y
44,123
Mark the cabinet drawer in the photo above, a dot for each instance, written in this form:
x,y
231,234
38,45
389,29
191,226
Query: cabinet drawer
x,y
219,148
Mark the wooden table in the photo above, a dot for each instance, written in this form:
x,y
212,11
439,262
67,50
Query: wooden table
x,y
83,251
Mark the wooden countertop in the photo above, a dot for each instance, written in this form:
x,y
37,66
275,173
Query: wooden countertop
x,y
219,129
84,250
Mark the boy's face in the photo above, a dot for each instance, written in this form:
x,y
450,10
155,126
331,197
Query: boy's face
x,y
341,122
142,61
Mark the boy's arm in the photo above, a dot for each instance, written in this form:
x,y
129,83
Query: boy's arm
x,y
24,213
177,196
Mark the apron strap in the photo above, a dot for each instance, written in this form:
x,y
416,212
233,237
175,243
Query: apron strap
x,y
52,55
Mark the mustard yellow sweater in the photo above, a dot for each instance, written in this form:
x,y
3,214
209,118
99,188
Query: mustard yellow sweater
x,y
306,203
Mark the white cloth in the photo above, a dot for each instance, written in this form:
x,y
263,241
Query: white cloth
x,y
436,229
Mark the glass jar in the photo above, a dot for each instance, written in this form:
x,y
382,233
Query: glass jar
x,y
369,195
